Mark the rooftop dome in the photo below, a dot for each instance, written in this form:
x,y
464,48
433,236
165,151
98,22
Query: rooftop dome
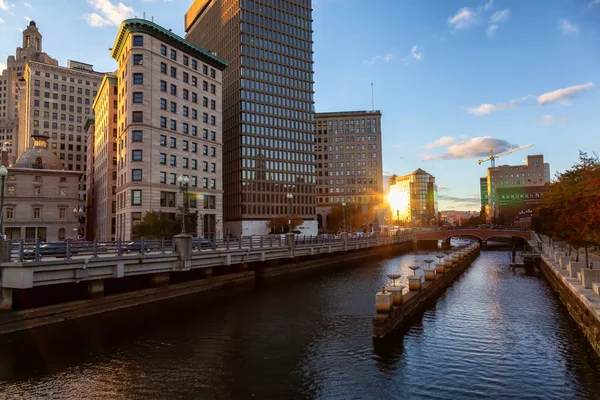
x,y
39,159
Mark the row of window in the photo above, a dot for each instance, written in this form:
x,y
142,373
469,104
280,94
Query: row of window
x,y
171,179
63,107
36,212
64,78
186,145
11,189
63,88
185,163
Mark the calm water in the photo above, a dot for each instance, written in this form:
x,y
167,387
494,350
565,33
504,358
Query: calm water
x,y
497,333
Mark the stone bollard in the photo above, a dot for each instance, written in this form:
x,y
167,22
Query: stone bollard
x,y
396,292
439,268
448,262
429,274
557,256
455,258
383,302
574,267
589,276
414,282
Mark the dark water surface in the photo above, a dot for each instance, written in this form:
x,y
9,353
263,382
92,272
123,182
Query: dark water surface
x,y
496,333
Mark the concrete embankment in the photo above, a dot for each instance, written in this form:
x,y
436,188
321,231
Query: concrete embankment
x,y
583,304
395,308
262,272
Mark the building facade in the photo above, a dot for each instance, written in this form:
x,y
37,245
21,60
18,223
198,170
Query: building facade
x,y
268,116
483,193
103,163
349,160
55,102
169,124
514,189
10,79
90,209
413,199
40,197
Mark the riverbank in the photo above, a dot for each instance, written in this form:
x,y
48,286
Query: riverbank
x,y
52,314
582,304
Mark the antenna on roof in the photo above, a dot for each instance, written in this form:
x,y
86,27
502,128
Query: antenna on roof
x,y
372,97
144,15
152,18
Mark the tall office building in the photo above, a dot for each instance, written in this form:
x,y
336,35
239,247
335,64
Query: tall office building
x,y
10,79
483,193
103,162
413,199
349,160
515,190
55,102
168,125
268,117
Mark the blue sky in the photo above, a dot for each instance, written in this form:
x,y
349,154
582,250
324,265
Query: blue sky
x,y
453,78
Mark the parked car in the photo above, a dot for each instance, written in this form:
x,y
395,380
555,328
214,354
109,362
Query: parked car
x,y
56,249
200,243
136,246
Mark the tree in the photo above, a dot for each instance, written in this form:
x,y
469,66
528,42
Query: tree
x,y
156,224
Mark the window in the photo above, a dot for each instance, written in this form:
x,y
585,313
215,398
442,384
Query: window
x,y
173,72
138,97
163,140
173,161
185,60
136,155
63,191
213,167
194,164
10,213
213,120
186,77
209,202
173,143
213,89
173,107
194,65
163,158
185,145
163,177
213,152
136,197
213,73
137,136
163,122
37,212
185,163
213,184
163,86
163,68
213,105
167,199
138,59
38,189
173,55
163,50
163,104
174,90
173,125
138,116
138,79
138,41
136,175
172,178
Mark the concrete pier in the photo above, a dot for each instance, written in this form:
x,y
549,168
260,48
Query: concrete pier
x,y
419,294
429,274
6,299
95,288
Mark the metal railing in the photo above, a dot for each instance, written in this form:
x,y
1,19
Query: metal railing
x,y
38,251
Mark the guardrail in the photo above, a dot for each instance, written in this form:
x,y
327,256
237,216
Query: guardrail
x,y
40,252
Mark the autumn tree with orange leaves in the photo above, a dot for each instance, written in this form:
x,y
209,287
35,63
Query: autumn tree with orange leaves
x,y
570,210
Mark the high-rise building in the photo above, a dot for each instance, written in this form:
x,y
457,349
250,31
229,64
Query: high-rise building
x,y
349,160
268,116
169,125
90,210
55,102
483,193
103,163
513,191
10,78
413,199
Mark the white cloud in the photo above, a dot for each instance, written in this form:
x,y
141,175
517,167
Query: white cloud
x,y
488,6
486,108
593,3
551,119
464,19
444,141
383,58
471,148
496,19
568,28
27,18
27,5
107,13
563,94
1,20
416,53
3,5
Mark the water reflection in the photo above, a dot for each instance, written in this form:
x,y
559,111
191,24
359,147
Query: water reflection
x,y
496,333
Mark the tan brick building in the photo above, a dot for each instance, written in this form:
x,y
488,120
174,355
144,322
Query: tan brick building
x,y
268,107
169,124
40,197
349,160
10,79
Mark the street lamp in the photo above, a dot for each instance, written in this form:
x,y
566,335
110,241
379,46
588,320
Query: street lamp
x,y
398,217
184,183
344,215
290,197
78,212
3,173
273,224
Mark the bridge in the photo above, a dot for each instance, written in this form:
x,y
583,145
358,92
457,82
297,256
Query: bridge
x,y
96,265
481,234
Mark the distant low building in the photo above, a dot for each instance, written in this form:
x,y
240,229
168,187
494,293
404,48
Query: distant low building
x,y
413,199
40,197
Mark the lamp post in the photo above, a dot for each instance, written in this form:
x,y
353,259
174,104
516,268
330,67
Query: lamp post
x,y
398,217
78,212
290,198
184,183
273,224
344,215
3,174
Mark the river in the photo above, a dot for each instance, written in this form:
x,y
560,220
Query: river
x,y
496,333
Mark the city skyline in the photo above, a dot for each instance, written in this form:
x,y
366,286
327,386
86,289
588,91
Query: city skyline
x,y
449,80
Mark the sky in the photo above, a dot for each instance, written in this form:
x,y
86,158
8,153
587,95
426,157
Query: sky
x,y
453,79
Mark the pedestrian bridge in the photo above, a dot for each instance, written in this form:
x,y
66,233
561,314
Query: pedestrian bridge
x,y
481,234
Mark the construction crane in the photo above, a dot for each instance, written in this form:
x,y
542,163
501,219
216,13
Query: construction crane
x,y
493,156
